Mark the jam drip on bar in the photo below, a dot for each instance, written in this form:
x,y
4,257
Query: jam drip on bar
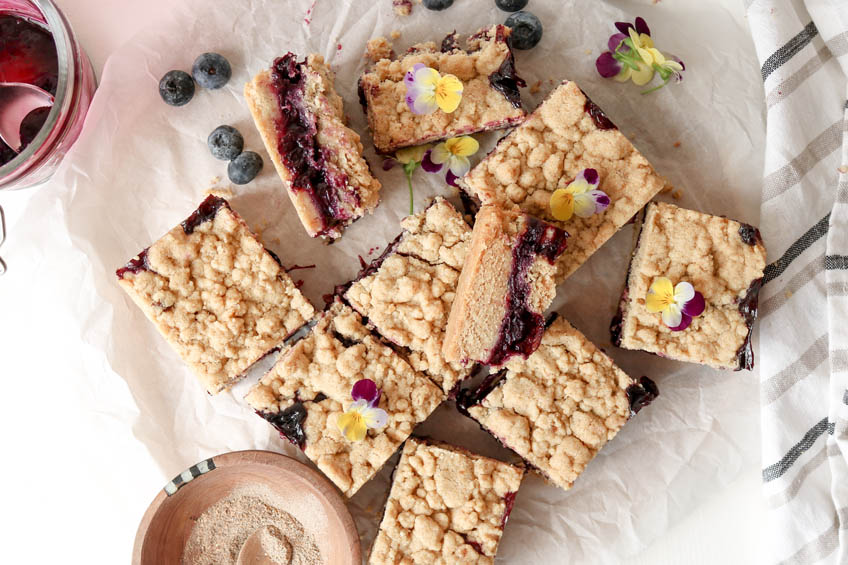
x,y
289,422
641,393
135,266
748,309
749,234
522,328
601,120
205,213
299,149
466,398
505,80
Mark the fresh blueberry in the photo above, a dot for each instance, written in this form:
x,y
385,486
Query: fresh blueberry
x,y
176,88
211,70
225,143
437,4
244,168
510,5
526,30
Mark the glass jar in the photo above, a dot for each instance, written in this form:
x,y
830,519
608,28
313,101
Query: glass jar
x,y
74,90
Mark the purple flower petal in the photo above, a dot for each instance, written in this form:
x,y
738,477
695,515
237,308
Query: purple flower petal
x,y
602,200
410,101
623,27
366,389
388,163
615,40
451,178
694,307
591,176
428,165
685,320
607,66
642,26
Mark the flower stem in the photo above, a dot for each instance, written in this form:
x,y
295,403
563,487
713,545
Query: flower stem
x,y
411,195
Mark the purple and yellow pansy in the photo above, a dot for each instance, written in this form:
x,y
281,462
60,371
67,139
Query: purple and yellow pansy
x,y
581,197
427,90
678,303
452,154
364,413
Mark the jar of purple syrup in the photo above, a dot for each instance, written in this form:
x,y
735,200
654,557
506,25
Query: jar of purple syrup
x,y
38,46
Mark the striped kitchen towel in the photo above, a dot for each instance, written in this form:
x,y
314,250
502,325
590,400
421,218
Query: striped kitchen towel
x,y
802,46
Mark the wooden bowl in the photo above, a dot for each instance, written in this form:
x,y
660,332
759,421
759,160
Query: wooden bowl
x,y
167,524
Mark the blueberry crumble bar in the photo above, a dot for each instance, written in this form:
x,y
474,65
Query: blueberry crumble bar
x,y
309,388
507,282
722,259
319,159
216,295
565,135
560,406
407,293
446,506
490,97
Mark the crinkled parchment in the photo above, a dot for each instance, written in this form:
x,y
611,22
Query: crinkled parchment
x,y
141,167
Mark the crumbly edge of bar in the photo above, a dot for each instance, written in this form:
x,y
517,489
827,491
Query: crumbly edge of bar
x,y
392,123
708,252
443,500
407,295
579,403
320,370
546,152
221,321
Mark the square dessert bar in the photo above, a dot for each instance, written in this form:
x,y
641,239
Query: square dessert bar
x,y
407,293
722,259
319,159
565,135
216,294
507,282
446,506
557,408
490,97
310,386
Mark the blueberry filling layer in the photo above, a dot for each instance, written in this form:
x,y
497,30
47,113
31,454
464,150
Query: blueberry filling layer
x,y
749,234
289,422
466,398
748,309
205,213
522,328
641,393
300,151
449,43
598,117
135,265
509,501
505,80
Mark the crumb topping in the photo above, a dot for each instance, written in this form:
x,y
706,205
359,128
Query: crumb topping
x,y
392,123
409,298
707,251
218,297
557,408
546,152
378,48
446,506
320,370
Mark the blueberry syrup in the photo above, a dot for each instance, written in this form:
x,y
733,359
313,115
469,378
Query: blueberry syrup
x,y
206,212
598,117
28,55
641,393
522,328
748,306
300,151
505,80
289,423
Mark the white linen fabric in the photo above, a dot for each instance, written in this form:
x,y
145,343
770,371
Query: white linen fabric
x,y
802,46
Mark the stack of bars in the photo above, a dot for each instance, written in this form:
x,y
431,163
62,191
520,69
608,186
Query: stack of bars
x,y
446,298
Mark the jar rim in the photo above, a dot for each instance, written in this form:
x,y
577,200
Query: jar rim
x,y
60,31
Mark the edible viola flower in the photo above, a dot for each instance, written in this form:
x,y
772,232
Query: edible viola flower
x,y
410,158
364,413
427,90
580,197
632,56
678,304
452,153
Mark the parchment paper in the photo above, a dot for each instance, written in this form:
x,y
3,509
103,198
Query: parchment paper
x,y
141,167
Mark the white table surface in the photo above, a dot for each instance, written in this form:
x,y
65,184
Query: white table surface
x,y
54,509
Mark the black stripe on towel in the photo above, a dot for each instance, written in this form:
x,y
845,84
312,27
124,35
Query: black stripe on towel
x,y
812,235
836,262
789,50
776,470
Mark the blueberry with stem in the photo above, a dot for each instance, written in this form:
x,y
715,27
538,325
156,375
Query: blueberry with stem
x,y
211,70
176,88
526,30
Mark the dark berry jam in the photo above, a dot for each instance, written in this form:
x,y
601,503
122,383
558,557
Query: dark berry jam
x,y
136,265
505,80
205,213
748,306
27,55
522,328
466,398
509,500
641,393
289,422
749,234
300,151
598,117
